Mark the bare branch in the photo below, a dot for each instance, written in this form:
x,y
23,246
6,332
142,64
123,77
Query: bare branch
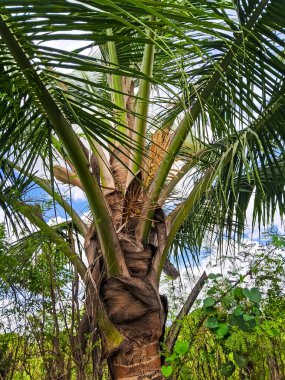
x,y
176,325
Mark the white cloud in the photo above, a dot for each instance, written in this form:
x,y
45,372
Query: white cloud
x,y
56,220
71,192
87,217
1,215
77,194
67,45
255,234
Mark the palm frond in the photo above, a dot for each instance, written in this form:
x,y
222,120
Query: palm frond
x,y
253,171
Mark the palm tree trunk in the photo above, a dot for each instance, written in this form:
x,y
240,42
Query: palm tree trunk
x,y
132,304
135,309
130,301
141,362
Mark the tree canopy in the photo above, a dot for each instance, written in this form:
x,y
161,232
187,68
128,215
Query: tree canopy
x,y
156,94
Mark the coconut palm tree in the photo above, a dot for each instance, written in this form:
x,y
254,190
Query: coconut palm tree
x,y
156,93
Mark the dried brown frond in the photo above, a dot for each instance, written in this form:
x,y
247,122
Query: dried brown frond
x,y
66,176
128,88
119,161
115,202
133,202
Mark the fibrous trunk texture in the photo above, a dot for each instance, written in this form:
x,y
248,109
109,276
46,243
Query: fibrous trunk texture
x,y
133,304
142,362
136,310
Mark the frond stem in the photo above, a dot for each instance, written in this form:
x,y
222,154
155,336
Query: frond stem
x,y
117,85
142,103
